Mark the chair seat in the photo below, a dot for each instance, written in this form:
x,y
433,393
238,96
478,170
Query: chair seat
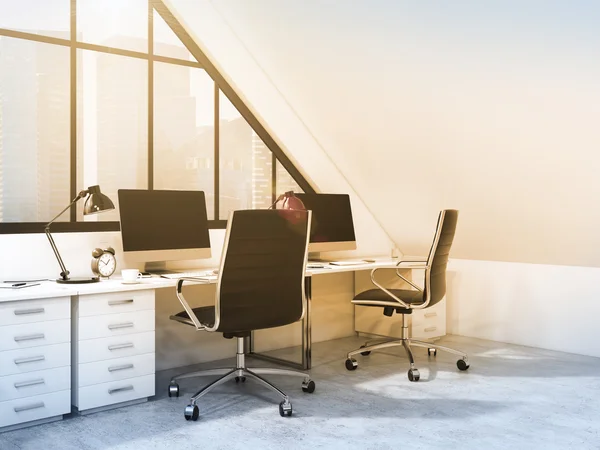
x,y
206,316
410,297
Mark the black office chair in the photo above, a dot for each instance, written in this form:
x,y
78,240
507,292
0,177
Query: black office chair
x,y
260,285
404,301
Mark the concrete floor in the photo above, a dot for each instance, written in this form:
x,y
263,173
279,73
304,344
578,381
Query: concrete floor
x,y
511,397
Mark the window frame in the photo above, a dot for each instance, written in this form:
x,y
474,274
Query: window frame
x,y
202,62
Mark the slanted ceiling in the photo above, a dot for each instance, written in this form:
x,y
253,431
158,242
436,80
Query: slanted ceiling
x,y
490,108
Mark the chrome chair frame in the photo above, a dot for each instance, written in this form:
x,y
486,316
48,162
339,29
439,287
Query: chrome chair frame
x,y
405,341
240,372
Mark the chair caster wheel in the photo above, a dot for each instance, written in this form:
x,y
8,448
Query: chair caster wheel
x,y
191,412
462,364
309,386
432,351
365,353
173,390
351,364
242,379
285,409
414,375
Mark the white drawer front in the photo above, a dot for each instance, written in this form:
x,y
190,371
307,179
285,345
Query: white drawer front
x,y
33,384
35,358
92,350
35,334
27,311
428,331
115,302
38,407
116,324
428,317
115,369
115,392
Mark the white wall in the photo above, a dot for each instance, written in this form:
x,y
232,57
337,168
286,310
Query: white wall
x,y
552,307
490,109
30,256
229,54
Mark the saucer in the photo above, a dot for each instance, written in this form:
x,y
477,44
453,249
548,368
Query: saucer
x,y
130,282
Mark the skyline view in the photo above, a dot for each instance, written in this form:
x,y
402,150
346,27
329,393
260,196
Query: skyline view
x,y
112,132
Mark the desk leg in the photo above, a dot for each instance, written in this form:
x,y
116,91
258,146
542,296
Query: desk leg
x,y
306,326
306,337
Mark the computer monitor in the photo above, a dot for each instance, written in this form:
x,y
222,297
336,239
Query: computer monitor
x,y
163,225
332,226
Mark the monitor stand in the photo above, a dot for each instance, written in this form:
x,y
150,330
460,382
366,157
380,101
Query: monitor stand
x,y
156,267
315,257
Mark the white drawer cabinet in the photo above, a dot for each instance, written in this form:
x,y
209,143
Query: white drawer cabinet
x,y
426,323
35,358
115,392
35,361
36,408
113,349
35,334
41,310
33,384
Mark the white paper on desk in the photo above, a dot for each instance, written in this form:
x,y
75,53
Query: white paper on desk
x,y
348,262
205,278
11,285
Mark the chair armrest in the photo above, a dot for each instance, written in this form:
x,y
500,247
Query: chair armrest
x,y
190,312
374,281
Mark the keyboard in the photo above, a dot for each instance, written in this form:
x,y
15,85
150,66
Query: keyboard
x,y
194,274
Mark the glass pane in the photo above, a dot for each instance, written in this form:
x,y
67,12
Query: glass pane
x,y
47,17
114,23
284,181
34,131
244,166
114,102
184,130
166,42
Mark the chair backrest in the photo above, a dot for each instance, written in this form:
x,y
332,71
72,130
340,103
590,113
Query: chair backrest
x,y
261,282
435,276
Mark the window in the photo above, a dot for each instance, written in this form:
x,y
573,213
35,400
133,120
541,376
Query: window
x,y
184,132
114,100
34,130
121,101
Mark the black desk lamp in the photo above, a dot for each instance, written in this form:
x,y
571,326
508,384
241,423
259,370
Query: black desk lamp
x,y
97,202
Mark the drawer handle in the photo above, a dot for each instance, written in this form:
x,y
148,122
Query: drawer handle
x,y
430,329
119,302
29,383
30,337
116,326
30,359
38,405
431,314
22,312
120,346
121,389
122,367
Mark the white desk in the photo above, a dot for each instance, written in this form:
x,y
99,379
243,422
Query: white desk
x,y
53,336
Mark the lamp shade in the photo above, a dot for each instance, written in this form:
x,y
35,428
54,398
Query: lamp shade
x,y
289,201
97,201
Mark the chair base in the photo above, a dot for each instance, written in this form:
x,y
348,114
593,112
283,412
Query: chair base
x,y
406,343
240,373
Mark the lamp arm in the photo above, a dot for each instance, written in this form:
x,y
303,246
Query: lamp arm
x,y
79,196
65,273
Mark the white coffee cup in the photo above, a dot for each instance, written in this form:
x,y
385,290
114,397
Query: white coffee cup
x,y
130,275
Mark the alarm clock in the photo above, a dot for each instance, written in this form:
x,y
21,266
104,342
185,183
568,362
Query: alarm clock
x,y
104,262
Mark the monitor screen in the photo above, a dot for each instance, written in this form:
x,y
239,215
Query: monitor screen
x,y
163,225
332,226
